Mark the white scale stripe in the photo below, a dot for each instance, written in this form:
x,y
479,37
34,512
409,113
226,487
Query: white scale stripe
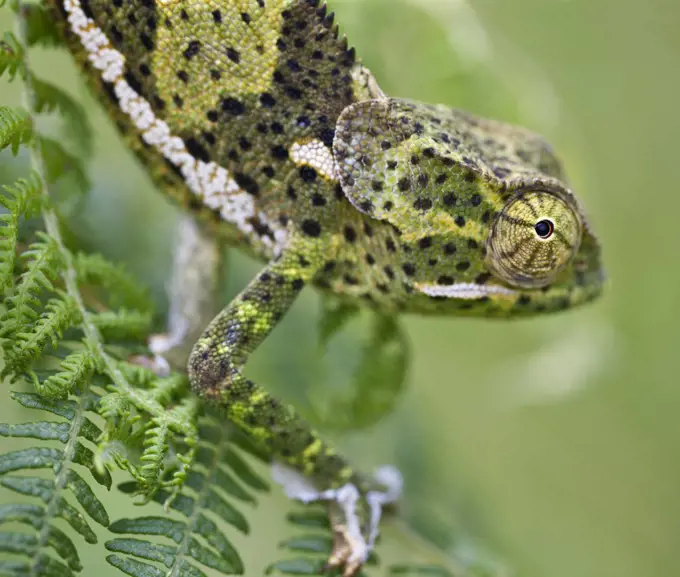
x,y
463,290
208,180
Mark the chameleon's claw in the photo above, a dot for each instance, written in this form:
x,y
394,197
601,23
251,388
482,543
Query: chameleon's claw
x,y
355,528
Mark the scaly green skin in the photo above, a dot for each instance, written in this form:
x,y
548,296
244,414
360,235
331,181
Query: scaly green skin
x,y
253,115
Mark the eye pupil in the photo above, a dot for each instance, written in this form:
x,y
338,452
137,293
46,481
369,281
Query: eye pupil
x,y
544,228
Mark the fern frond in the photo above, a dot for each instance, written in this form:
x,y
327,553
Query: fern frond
x,y
22,199
123,324
196,535
42,265
123,290
49,98
11,56
34,546
76,369
16,128
58,315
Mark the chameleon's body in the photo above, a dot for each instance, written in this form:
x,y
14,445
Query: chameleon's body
x,y
253,115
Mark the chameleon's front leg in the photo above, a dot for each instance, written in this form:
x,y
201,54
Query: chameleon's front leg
x,y
215,370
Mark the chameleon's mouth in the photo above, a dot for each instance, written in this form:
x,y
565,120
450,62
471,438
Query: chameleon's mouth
x,y
464,290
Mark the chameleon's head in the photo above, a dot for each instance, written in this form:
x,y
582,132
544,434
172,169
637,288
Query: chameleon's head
x,y
486,223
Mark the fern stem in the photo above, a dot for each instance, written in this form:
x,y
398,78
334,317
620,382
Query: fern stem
x,y
92,336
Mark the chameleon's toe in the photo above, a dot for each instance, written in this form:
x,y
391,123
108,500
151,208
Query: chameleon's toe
x,y
348,552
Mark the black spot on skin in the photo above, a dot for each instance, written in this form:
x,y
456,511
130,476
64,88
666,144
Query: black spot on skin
x,y
326,135
297,284
370,259
475,200
449,199
485,217
192,49
247,183
244,144
217,16
318,200
293,92
392,164
307,173
277,128
196,149
415,160
303,121
268,171
482,278
449,248
523,300
377,185
329,266
183,15
471,177
404,184
317,55
146,40
215,74
460,221
291,193
350,234
408,268
425,242
183,76
116,35
423,179
429,152
350,280
281,44
389,205
267,100
442,178
389,244
422,204
212,115
462,266
445,280
311,227
246,17
385,145
177,99
107,87
144,69
383,288
389,272
233,106
279,152
233,55
472,244
135,84
366,206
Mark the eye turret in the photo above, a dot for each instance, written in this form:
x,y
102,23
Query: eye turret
x,y
534,237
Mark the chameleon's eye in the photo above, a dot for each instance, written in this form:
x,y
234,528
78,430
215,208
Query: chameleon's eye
x,y
534,237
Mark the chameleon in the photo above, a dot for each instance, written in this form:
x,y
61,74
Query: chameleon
x,y
257,117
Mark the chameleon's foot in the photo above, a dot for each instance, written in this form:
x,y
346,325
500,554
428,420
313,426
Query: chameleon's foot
x,y
355,518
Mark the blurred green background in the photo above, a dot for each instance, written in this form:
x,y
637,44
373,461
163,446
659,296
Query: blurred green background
x,y
554,444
